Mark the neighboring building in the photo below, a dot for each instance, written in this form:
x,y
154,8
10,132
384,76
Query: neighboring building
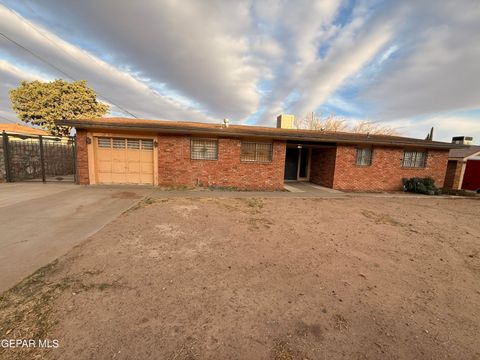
x,y
463,170
21,129
168,153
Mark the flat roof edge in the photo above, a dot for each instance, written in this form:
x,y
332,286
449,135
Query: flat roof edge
x,y
340,138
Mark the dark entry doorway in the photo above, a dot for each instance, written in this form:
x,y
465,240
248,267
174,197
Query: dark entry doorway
x,y
291,164
297,163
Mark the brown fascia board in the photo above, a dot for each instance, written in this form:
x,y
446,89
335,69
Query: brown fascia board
x,y
276,134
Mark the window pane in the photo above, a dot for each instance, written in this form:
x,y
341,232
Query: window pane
x,y
258,152
133,144
364,156
248,151
419,159
118,143
264,152
204,149
414,159
407,158
147,144
104,142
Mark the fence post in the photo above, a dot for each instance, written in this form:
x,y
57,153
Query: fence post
x,y
74,146
42,158
6,157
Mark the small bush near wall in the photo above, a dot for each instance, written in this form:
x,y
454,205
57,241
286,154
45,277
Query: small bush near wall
x,y
420,186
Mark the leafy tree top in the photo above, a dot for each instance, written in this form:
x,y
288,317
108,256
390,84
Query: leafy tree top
x,y
41,103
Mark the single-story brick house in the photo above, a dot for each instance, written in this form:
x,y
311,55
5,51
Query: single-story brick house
x,y
168,153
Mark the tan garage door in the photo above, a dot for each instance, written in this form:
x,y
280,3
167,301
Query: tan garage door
x,y
123,160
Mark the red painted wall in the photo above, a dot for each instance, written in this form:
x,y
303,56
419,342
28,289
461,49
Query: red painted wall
x,y
471,177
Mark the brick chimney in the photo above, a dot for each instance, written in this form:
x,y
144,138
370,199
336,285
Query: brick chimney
x,y
464,140
285,121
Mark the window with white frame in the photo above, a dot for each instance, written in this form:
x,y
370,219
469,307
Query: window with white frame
x,y
256,152
364,156
414,159
204,149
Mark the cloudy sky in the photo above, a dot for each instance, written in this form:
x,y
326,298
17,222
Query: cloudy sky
x,y
407,64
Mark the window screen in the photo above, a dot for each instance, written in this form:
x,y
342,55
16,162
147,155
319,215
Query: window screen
x,y
415,159
256,152
364,156
204,149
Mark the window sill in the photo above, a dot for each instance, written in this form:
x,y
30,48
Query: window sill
x,y
255,162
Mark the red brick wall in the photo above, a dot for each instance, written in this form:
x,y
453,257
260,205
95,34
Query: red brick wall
x,y
82,158
322,166
176,168
386,171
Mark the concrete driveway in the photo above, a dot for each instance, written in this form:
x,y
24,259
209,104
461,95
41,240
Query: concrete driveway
x,y
40,222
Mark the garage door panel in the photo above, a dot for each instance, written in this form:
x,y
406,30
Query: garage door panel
x,y
133,156
134,168
118,178
146,168
124,161
146,156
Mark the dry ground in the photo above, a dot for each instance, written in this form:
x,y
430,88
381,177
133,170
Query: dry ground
x,y
356,278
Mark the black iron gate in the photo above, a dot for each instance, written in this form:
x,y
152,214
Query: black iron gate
x,y
38,157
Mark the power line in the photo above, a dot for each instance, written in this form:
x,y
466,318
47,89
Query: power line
x,y
4,118
53,65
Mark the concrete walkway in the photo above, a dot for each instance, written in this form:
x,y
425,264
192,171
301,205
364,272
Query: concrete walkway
x,y
40,222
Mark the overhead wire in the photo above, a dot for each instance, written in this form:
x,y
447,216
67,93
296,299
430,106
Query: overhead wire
x,y
64,73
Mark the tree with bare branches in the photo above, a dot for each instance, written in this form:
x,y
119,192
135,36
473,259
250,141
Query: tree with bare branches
x,y
334,123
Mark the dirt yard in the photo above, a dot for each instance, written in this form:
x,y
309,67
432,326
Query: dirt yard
x,y
355,278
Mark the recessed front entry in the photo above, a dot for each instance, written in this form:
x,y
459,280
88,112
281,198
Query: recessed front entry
x,y
297,161
123,160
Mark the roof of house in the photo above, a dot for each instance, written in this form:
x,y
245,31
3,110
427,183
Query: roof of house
x,y
462,153
209,129
22,129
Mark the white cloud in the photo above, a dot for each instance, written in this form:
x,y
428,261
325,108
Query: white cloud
x,y
437,68
113,84
348,55
445,126
197,48
409,61
10,77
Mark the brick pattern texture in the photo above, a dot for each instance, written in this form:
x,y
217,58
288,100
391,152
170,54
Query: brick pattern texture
x,y
386,171
330,167
176,168
323,166
82,158
452,176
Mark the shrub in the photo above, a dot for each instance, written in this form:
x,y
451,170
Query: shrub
x,y
420,186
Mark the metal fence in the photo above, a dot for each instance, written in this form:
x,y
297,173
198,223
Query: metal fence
x,y
38,157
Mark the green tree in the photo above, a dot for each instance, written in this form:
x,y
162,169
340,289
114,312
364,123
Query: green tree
x,y
41,103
